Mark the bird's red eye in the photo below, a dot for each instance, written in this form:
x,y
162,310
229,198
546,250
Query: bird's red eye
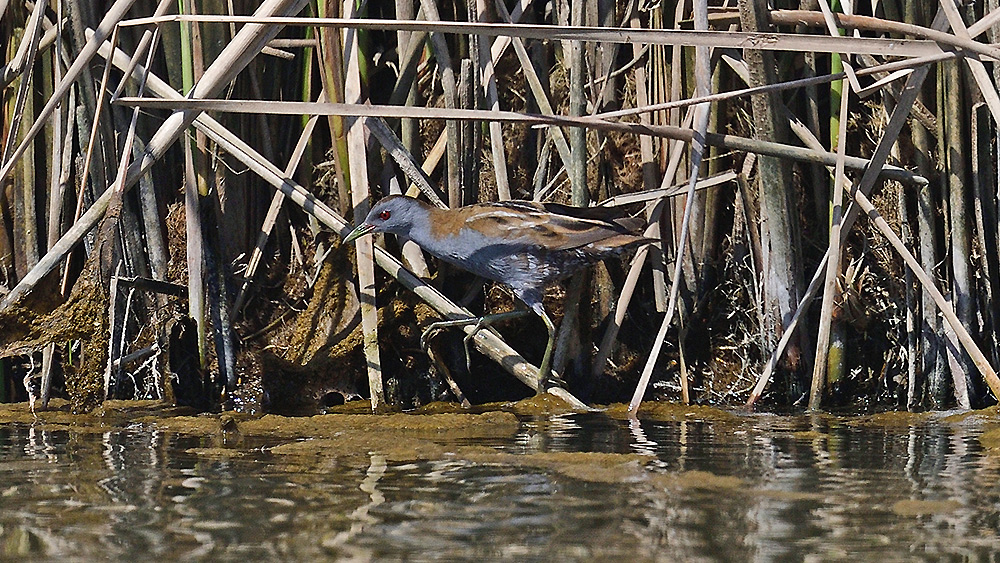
x,y
384,215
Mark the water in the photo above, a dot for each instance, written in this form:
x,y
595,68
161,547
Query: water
x,y
695,488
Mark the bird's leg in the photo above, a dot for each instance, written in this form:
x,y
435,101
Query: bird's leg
x,y
480,322
545,369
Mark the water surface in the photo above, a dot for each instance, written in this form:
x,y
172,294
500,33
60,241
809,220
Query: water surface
x,y
686,485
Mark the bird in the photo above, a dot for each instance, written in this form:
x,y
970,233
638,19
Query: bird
x,y
525,245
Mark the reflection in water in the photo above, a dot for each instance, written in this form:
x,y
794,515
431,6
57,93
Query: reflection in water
x,y
752,488
361,516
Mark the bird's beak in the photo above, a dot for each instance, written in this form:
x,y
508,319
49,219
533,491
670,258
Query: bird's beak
x,y
361,230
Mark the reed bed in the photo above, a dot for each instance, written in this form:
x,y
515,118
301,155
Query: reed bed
x,y
177,177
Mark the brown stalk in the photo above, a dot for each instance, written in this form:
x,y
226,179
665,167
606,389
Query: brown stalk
x,y
970,346
898,119
234,57
358,162
732,142
832,264
703,74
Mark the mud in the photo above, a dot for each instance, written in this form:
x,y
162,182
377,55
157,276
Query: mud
x,y
914,507
893,419
436,431
700,480
673,412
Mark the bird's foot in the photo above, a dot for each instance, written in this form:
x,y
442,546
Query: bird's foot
x,y
479,322
440,325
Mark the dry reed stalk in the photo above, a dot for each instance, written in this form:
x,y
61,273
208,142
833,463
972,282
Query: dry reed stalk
x,y
833,262
984,23
358,163
867,23
644,196
577,166
955,177
59,170
237,54
970,346
703,76
898,119
650,171
732,142
715,39
114,14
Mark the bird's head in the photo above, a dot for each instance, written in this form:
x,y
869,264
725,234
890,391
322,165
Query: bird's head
x,y
392,214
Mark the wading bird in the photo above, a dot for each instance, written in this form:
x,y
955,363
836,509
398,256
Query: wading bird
x,y
524,245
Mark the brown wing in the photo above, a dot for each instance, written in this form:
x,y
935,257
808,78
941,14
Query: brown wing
x,y
532,224
613,215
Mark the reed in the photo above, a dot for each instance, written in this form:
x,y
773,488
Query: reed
x,y
216,293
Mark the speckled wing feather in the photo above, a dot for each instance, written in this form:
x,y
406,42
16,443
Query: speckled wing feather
x,y
540,225
616,215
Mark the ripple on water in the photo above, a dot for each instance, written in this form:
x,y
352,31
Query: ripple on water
x,y
514,482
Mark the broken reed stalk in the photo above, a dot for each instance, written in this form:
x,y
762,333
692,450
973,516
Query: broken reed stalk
x,y
272,214
487,342
237,54
833,263
900,115
404,159
194,253
357,154
936,42
703,75
14,67
978,358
